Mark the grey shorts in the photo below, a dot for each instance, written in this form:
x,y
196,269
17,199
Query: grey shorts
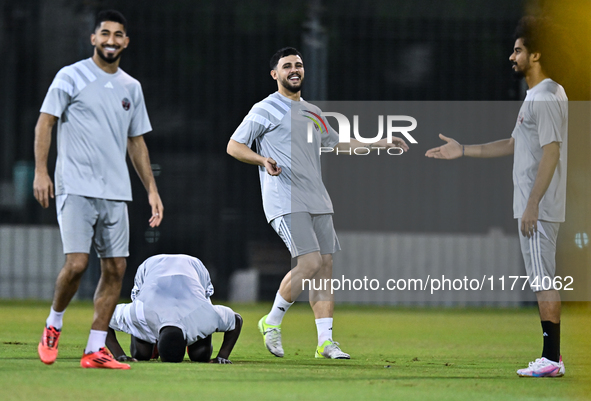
x,y
306,233
85,221
539,255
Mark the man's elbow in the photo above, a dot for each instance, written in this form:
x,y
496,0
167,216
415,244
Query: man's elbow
x,y
231,149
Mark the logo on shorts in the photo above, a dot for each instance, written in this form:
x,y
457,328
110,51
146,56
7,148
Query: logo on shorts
x,y
125,103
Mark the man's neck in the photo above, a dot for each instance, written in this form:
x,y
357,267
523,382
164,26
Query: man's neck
x,y
288,94
534,77
109,68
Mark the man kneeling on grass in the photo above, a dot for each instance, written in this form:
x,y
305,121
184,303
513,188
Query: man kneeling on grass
x,y
170,312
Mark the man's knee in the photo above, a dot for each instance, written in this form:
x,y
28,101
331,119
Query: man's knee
x,y
171,344
141,350
76,263
309,264
200,352
113,267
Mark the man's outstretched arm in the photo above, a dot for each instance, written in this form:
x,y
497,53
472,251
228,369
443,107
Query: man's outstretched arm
x,y
453,149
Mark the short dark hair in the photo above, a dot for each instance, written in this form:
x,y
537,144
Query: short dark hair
x,y
171,344
110,15
541,35
286,51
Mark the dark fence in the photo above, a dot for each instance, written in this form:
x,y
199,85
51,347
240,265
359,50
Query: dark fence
x,y
204,64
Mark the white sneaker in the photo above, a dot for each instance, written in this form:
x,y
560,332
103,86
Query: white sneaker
x,y
543,367
330,349
271,336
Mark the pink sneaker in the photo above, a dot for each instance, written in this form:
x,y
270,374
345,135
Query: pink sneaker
x,y
543,367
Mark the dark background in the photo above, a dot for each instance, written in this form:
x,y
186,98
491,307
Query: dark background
x,y
203,65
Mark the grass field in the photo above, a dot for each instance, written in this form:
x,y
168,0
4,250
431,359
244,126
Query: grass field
x,y
397,353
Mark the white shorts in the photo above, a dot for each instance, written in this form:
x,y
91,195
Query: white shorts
x,y
305,233
539,255
85,221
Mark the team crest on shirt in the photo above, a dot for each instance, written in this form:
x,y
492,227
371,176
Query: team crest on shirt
x,y
316,119
125,103
520,119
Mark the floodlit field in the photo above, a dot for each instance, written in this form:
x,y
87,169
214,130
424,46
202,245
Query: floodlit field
x,y
398,353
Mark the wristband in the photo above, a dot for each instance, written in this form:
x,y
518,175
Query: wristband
x,y
462,150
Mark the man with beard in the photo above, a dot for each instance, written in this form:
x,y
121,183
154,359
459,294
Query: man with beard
x,y
295,201
102,114
539,146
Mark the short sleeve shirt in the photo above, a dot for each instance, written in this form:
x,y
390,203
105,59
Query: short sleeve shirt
x,y
279,127
543,119
97,112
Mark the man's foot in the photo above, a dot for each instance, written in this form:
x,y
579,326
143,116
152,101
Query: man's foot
x,y
330,349
47,347
272,336
102,359
543,367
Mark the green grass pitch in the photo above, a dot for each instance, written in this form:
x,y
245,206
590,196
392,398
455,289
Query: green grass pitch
x,y
397,353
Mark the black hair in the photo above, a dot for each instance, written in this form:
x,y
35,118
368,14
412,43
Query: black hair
x,y
110,15
540,35
171,344
286,51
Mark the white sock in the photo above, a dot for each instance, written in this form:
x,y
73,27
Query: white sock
x,y
280,306
96,341
55,319
324,327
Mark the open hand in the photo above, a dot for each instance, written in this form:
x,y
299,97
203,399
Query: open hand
x,y
451,150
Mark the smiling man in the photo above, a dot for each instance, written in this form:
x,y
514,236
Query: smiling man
x,y
295,199
539,147
101,115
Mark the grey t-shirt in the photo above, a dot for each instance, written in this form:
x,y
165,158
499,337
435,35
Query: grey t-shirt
x,y
172,290
97,112
280,128
543,119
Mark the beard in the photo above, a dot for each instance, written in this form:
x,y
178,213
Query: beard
x,y
290,87
109,60
517,74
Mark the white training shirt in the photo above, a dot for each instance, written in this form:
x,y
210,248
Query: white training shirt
x,y
97,112
543,119
172,290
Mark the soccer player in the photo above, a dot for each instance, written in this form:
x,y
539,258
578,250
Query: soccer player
x,y
295,201
539,146
171,310
102,114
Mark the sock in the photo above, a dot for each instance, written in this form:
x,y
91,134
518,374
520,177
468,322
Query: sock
x,y
280,306
55,319
96,341
551,340
324,327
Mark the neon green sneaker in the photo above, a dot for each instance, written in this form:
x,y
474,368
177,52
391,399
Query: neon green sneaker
x,y
271,336
330,349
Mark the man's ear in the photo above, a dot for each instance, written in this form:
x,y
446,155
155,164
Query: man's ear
x,y
274,74
535,56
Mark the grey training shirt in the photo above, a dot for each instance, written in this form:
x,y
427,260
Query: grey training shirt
x,y
97,112
280,128
543,119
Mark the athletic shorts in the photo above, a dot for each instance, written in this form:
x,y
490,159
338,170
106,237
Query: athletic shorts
x,y
86,221
539,255
305,233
